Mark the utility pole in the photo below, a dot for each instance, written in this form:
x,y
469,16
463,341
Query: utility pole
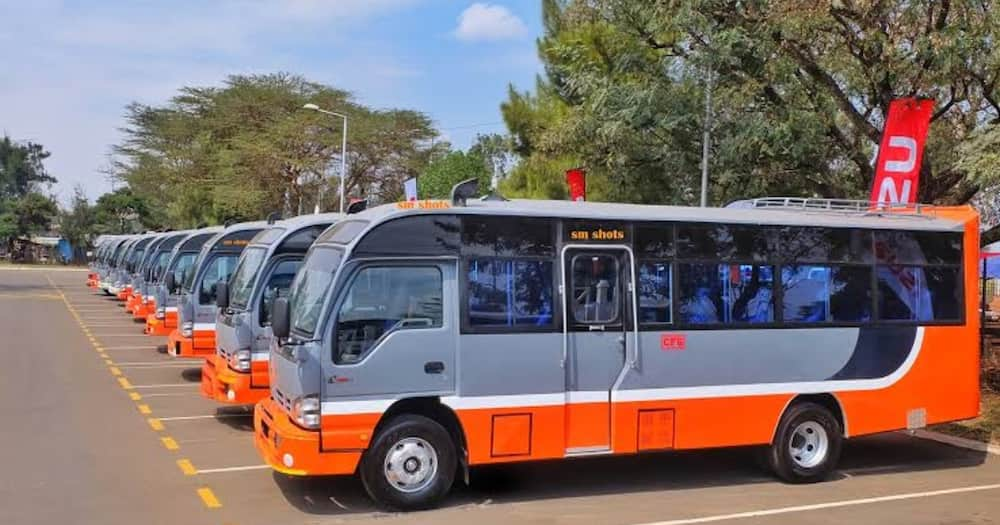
x,y
706,139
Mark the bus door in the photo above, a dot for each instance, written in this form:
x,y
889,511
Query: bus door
x,y
598,317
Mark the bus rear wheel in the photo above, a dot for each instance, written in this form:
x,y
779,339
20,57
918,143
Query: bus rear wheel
x,y
411,464
807,444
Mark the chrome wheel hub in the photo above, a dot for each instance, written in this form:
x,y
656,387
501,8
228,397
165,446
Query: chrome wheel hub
x,y
411,464
809,445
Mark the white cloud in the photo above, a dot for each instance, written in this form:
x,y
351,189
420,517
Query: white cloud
x,y
482,21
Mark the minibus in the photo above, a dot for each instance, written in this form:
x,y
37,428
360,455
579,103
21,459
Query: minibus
x,y
237,373
93,267
108,260
163,320
195,332
110,278
158,255
122,286
424,338
136,271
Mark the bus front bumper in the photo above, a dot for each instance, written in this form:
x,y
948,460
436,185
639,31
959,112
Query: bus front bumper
x,y
143,308
202,344
292,450
225,385
163,326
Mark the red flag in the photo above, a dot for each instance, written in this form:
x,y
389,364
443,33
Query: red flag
x,y
577,180
897,169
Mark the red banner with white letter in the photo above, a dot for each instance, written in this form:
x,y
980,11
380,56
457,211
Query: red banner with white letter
x,y
577,181
897,169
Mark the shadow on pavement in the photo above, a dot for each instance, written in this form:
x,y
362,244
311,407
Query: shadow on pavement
x,y
583,477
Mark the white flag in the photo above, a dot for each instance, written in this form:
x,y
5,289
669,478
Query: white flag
x,y
410,188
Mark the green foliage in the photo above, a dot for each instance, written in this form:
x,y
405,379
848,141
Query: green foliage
x,y
248,148
123,211
443,173
21,168
78,224
799,89
32,214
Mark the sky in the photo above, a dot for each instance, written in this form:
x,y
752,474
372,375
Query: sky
x,y
68,68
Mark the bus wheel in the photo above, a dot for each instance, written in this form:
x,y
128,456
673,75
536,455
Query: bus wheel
x,y
411,464
807,444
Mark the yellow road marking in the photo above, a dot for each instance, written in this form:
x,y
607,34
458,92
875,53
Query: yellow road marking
x,y
208,498
115,371
170,443
144,409
186,467
134,396
109,362
155,423
124,383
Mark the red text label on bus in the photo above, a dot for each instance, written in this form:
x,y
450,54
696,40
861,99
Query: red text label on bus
x,y
673,342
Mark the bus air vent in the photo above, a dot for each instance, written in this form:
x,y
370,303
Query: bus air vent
x,y
464,191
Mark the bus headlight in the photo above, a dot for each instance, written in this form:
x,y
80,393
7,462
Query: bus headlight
x,y
240,360
187,329
305,412
161,313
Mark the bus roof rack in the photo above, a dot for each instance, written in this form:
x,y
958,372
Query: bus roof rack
x,y
273,217
833,205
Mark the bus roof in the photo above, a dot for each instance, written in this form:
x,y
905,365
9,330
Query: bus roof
x,y
930,218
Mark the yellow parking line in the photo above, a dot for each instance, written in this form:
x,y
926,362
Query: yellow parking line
x,y
169,443
186,467
134,396
144,409
155,423
109,362
124,383
115,371
208,498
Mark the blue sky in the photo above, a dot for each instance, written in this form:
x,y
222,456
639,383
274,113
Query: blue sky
x,y
67,68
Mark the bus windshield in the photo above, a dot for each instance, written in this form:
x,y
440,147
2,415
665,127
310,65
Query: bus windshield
x,y
310,288
189,272
161,262
181,266
243,278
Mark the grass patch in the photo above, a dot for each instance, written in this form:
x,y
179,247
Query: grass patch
x,y
985,428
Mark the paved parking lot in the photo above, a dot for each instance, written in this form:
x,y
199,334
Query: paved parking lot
x,y
102,427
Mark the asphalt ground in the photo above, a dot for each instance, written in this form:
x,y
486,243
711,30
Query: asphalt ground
x,y
99,426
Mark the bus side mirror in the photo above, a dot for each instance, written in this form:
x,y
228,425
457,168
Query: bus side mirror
x,y
169,282
222,294
280,318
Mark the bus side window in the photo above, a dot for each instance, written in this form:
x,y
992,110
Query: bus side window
x,y
278,285
386,299
654,292
509,293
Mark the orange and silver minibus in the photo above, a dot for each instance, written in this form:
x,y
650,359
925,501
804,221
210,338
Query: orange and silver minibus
x,y
238,372
196,306
163,320
424,338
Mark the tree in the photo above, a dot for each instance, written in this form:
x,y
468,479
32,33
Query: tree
x,y
444,173
22,168
78,224
247,148
122,211
30,215
800,91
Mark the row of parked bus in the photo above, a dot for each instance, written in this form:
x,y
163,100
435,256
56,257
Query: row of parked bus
x,y
409,342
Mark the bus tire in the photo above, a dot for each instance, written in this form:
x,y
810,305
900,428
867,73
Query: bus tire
x,y
410,465
807,444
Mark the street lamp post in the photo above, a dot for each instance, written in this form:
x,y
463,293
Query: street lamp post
x,y
343,154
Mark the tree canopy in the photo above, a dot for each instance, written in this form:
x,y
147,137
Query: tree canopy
x,y
247,148
799,94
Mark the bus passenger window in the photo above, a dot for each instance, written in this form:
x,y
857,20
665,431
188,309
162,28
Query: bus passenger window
x,y
595,288
278,285
727,293
819,294
654,292
383,300
913,293
505,292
